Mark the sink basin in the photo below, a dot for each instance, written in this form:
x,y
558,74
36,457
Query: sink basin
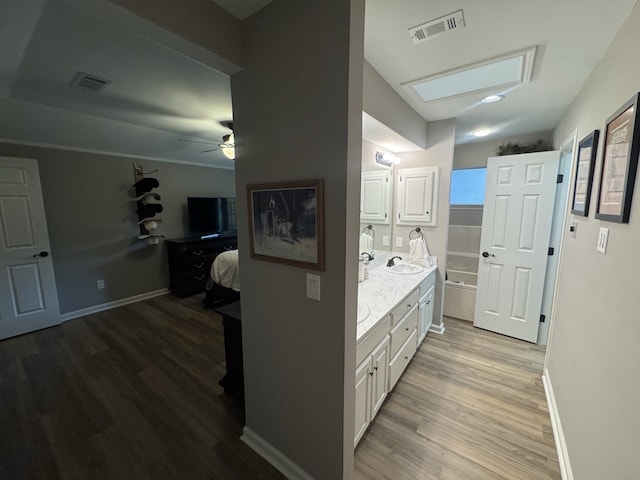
x,y
404,268
363,313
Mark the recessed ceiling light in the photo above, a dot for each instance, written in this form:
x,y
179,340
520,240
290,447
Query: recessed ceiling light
x,y
483,132
492,98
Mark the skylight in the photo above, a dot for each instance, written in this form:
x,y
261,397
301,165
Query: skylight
x,y
508,70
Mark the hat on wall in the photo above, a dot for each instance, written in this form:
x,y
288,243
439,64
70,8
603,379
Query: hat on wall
x,y
145,185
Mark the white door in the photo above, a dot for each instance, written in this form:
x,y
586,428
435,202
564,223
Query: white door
x,y
514,243
28,297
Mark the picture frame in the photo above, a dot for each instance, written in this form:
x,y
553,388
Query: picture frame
x,y
619,163
286,223
583,180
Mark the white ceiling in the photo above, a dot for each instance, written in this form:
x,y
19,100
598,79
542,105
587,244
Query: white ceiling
x,y
158,96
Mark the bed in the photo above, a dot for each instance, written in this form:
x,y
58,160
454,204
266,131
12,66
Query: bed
x,y
223,285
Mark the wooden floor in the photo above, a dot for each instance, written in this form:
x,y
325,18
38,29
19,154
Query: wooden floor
x,y
132,393
127,394
470,406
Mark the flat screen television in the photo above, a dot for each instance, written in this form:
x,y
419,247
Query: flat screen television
x,y
211,215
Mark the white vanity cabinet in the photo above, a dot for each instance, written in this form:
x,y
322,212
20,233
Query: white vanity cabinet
x,y
371,386
375,199
425,307
385,349
417,196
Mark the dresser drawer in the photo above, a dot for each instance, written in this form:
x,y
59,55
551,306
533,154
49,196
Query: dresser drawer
x,y
199,263
402,359
196,278
402,330
404,306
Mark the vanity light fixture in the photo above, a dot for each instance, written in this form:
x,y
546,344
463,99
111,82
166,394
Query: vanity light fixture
x,y
492,98
387,159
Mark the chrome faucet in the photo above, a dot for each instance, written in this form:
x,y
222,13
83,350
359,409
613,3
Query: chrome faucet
x,y
369,256
391,263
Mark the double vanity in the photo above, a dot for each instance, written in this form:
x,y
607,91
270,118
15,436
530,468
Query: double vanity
x,y
395,310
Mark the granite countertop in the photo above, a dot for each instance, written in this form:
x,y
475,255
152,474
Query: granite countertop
x,y
383,290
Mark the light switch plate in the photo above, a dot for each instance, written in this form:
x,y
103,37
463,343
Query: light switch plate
x,y
313,286
385,240
573,228
603,238
398,241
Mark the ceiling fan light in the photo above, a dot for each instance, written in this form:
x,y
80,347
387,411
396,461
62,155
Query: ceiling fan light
x,y
229,152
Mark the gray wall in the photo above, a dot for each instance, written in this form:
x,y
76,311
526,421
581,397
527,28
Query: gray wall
x,y
93,225
594,354
302,83
385,105
439,152
475,154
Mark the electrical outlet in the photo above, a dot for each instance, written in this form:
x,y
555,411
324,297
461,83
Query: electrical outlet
x,y
603,238
100,284
398,241
385,240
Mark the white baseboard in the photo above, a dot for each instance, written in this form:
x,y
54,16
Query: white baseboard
x,y
274,456
437,328
106,306
556,425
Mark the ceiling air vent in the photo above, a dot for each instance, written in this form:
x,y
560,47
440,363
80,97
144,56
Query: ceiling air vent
x,y
432,28
89,82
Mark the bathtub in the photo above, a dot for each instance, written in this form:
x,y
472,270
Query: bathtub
x,y
460,294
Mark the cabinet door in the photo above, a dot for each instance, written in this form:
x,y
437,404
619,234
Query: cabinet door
x,y
425,306
363,398
380,357
417,196
375,201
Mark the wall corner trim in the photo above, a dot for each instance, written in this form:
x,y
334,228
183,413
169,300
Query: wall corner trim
x,y
274,456
439,329
109,305
556,426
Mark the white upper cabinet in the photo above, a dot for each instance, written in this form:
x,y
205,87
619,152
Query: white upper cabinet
x,y
375,198
417,198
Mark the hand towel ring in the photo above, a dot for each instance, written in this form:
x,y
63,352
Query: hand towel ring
x,y
416,230
369,231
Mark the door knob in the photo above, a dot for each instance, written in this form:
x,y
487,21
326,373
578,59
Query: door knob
x,y
487,254
41,254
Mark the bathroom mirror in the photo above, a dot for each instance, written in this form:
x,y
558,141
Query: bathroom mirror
x,y
375,199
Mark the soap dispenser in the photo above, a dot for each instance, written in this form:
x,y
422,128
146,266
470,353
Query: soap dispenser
x,y
361,267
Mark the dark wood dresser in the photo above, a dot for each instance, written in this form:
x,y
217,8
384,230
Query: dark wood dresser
x,y
190,261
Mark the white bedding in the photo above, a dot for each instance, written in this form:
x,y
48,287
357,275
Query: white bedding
x,y
225,271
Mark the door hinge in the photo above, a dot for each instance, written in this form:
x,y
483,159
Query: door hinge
x,y
400,179
560,178
551,251
542,318
385,215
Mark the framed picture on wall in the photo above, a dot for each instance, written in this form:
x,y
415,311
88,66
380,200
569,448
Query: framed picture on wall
x,y
585,164
287,223
619,163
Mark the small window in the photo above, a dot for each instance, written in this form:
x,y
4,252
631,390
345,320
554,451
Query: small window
x,y
467,186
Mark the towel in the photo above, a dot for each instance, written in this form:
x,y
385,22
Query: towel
x,y
366,243
224,270
419,253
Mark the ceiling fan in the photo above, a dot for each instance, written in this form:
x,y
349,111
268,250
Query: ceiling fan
x,y
227,147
